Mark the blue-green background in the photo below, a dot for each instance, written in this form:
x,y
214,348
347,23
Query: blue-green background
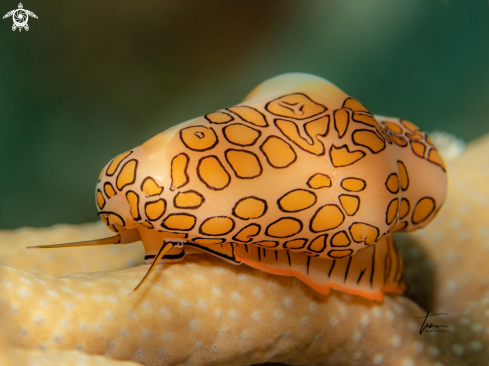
x,y
91,79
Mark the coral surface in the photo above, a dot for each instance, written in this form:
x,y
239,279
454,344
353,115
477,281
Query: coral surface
x,y
206,311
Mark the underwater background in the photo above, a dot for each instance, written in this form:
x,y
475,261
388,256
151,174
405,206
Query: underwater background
x,y
92,79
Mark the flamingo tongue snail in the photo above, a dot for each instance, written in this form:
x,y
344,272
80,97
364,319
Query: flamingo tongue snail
x,y
298,180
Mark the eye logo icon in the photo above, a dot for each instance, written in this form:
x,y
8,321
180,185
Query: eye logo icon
x,y
20,17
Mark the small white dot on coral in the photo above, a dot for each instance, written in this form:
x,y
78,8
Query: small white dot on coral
x,y
365,320
83,326
52,293
418,346
277,314
218,313
109,315
97,326
377,312
304,320
389,315
167,335
147,306
139,353
408,362
396,341
357,355
464,321
333,321
313,306
24,332
257,291
65,322
185,303
69,305
236,296
357,337
113,344
39,319
163,310
476,345
217,290
79,347
477,327
255,315
193,324
233,314
43,303
24,293
14,309
197,344
287,301
123,332
458,349
145,333
378,359
451,285
215,347
202,304
6,283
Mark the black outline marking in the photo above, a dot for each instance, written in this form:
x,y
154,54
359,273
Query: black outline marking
x,y
199,150
350,195
266,156
288,256
241,124
431,161
356,100
348,150
222,166
340,246
137,206
302,247
223,240
319,209
213,217
185,235
112,213
283,218
361,275
331,269
376,124
256,110
373,269
426,217
188,207
405,223
407,128
286,95
325,238
308,263
147,222
401,138
178,214
151,202
290,192
411,142
304,128
249,236
118,165
349,190
219,123
398,181
366,146
391,130
353,238
105,189
103,198
247,152
324,175
387,211
340,250
173,187
122,169
399,162
347,269
418,135
264,247
244,199
151,195
347,122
